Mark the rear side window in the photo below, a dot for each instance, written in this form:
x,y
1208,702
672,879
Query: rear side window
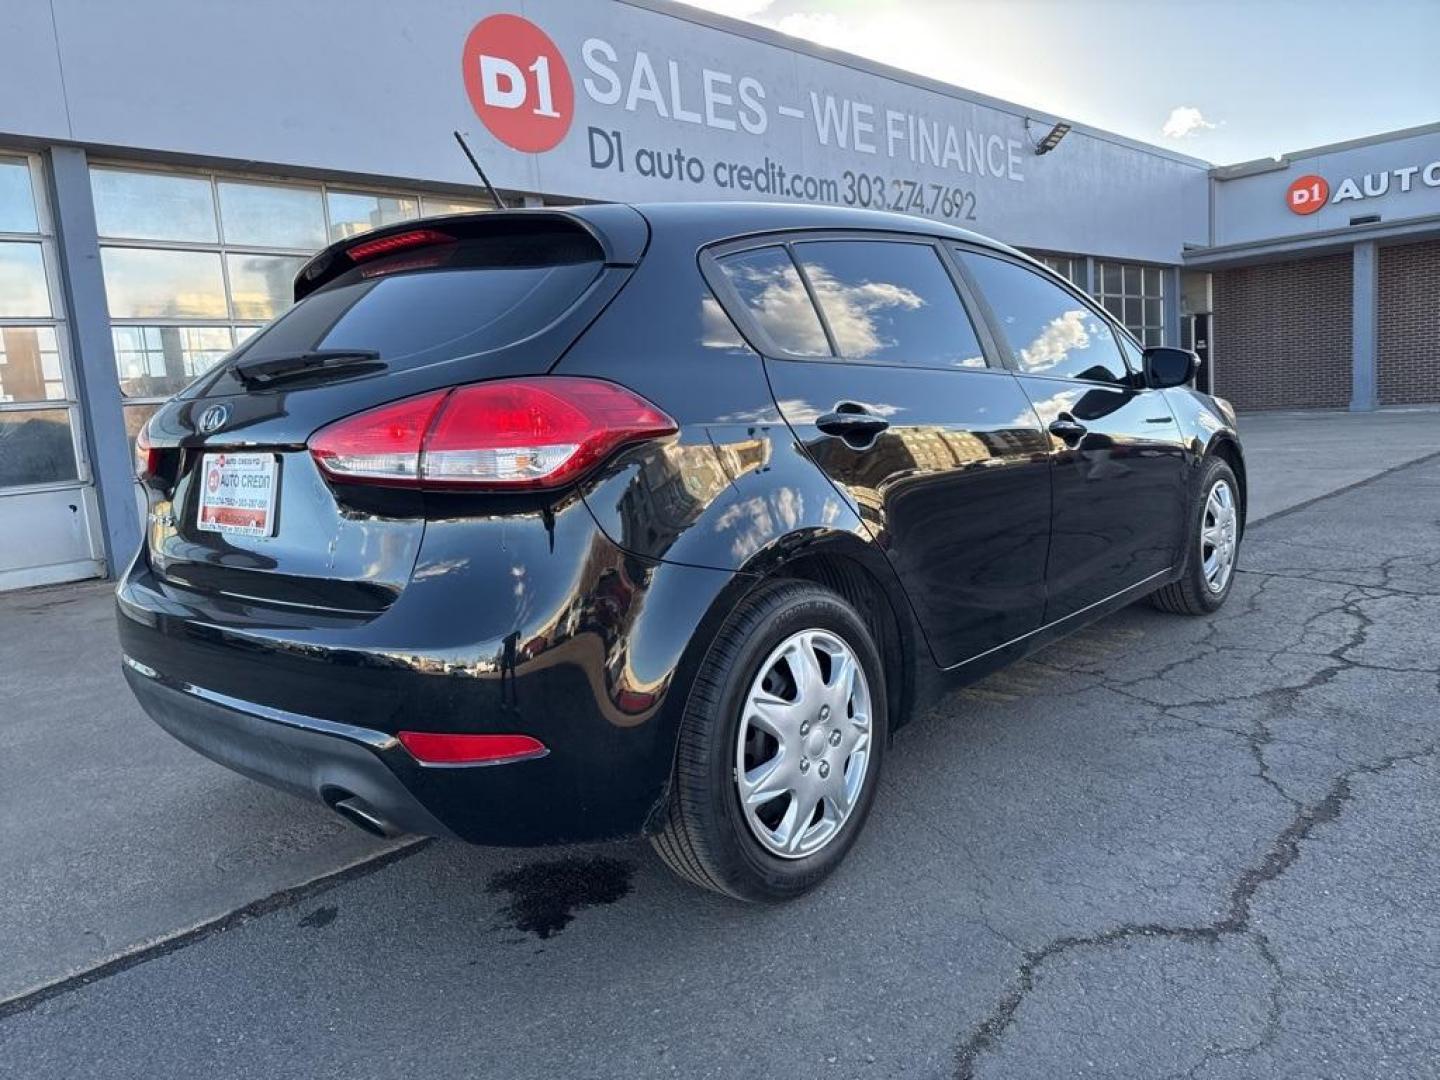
x,y
771,290
890,303
1050,331
477,301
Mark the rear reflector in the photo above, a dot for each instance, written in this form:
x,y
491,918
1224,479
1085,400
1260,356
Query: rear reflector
x,y
509,434
386,245
430,748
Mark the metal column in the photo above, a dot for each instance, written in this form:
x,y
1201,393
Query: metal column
x,y
98,388
1364,325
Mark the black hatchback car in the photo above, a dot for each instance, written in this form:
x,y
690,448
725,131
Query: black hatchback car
x,y
553,526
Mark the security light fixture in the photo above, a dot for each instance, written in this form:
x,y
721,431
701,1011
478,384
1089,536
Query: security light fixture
x,y
1052,140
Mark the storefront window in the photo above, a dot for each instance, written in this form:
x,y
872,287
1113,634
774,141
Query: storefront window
x,y
260,285
17,198
1067,267
431,206
136,415
36,447
352,214
272,216
153,206
195,263
30,364
38,418
1135,295
143,283
23,291
157,361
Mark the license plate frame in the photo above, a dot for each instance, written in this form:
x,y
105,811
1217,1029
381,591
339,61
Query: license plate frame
x,y
238,494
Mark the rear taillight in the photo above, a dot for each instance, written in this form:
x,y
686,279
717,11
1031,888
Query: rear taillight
x,y
147,458
510,434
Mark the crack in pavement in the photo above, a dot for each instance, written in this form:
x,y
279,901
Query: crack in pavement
x,y
1283,852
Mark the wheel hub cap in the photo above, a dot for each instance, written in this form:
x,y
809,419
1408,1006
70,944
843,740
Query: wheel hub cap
x,y
1219,534
803,747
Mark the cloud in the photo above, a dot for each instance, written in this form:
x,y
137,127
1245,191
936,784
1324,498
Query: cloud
x,y
1184,121
1060,336
855,310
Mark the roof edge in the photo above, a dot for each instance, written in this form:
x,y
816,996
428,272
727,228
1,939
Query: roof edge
x,y
1262,165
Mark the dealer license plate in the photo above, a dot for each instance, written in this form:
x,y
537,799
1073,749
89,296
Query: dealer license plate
x,y
237,494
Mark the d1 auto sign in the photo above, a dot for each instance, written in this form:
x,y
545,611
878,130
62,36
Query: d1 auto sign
x,y
238,495
518,83
1307,194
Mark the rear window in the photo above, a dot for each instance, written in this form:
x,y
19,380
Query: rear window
x,y
483,298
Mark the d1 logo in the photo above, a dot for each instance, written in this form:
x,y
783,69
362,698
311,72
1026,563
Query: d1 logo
x,y
1307,194
518,83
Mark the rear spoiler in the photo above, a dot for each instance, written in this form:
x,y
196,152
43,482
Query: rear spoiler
x,y
620,233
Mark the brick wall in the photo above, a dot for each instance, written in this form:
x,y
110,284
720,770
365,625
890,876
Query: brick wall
x,y
1282,334
1410,323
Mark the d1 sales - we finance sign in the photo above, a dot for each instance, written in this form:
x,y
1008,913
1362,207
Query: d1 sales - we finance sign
x,y
660,122
615,101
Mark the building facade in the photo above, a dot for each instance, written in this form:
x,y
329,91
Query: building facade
x,y
153,213
1325,275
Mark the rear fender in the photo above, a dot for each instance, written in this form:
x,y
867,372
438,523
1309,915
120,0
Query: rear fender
x,y
746,500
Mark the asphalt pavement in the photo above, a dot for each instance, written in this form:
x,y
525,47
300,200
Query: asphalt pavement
x,y
1164,846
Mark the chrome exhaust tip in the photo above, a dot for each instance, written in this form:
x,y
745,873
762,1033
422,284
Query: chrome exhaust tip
x,y
360,814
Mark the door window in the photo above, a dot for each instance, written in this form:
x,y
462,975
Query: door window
x,y
890,303
1050,331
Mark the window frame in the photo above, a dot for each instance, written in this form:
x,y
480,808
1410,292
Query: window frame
x,y
1135,379
58,323
755,335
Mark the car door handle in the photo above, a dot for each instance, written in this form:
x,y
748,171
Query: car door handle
x,y
1068,428
851,422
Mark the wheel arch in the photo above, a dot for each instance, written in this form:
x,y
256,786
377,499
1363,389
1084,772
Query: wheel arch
x,y
859,574
842,562
1227,448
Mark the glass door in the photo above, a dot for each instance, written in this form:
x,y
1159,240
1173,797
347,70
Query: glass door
x,y
48,512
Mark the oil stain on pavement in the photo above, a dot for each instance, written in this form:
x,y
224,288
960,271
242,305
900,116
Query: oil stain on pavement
x,y
544,896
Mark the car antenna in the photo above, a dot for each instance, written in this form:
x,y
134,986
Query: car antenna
x,y
499,202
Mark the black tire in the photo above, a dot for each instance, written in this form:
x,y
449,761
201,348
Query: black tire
x,y
1192,594
705,837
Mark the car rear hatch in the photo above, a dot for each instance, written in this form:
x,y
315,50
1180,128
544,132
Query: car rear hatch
x,y
238,508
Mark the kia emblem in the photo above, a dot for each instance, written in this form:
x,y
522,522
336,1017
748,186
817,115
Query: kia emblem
x,y
213,419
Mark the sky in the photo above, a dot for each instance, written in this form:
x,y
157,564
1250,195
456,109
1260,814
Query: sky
x,y
1223,80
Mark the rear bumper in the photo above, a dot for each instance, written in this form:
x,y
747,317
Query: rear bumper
x,y
311,758
523,624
